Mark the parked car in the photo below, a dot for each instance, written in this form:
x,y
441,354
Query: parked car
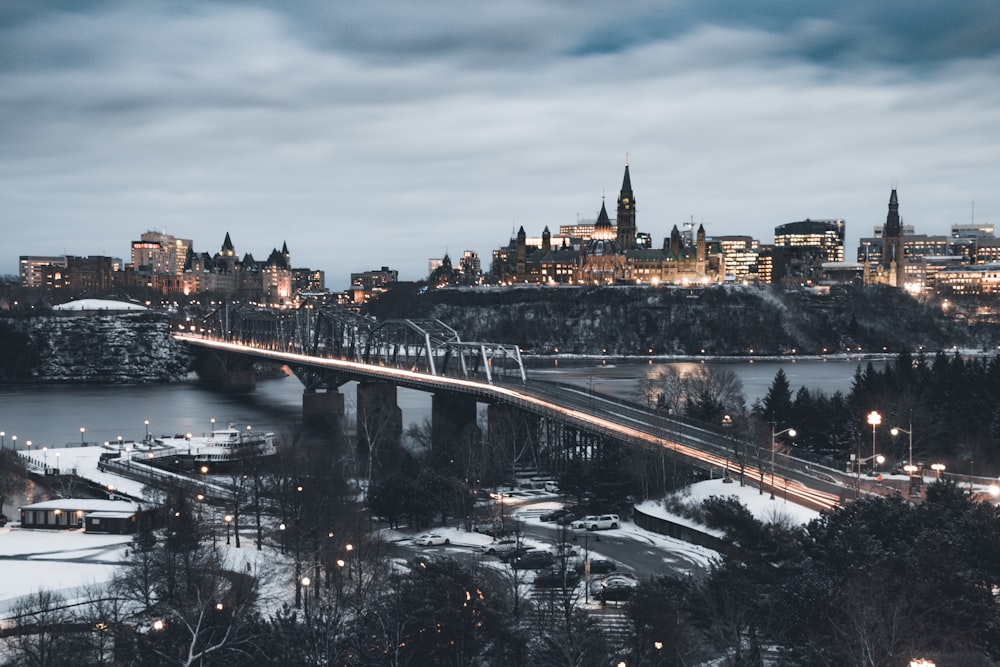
x,y
430,540
554,515
616,587
556,578
598,522
568,518
499,547
533,560
488,528
552,487
563,550
516,552
598,566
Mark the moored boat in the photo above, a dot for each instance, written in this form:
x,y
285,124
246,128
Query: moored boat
x,y
222,448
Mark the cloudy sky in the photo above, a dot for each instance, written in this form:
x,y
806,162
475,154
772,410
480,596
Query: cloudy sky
x,y
387,133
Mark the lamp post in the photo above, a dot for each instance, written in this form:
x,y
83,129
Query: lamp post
x,y
187,436
82,432
774,438
727,426
119,446
896,430
874,419
2,436
146,422
14,443
305,584
228,519
212,422
45,457
909,468
938,468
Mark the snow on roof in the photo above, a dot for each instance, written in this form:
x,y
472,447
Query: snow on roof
x,y
85,504
98,304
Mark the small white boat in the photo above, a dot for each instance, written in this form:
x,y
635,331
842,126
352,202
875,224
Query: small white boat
x,y
222,447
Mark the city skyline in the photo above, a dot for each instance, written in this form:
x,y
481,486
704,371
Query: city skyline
x,y
386,135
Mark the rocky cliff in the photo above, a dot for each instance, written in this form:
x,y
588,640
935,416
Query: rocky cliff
x,y
718,320
106,348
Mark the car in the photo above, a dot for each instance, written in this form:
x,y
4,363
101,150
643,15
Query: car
x,y
615,587
563,550
555,578
598,522
499,547
533,560
516,552
488,528
430,540
554,515
3,520
598,566
568,518
552,487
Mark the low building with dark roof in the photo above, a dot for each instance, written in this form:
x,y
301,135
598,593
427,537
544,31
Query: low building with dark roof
x,y
96,516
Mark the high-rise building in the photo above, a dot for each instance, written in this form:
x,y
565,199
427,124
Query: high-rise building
x,y
801,248
739,255
34,270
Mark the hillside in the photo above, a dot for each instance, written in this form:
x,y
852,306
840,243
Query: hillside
x,y
717,320
119,348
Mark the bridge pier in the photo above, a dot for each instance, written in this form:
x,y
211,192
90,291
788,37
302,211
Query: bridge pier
x,y
380,425
513,431
453,428
229,372
323,408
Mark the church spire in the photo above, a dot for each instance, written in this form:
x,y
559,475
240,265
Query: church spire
x,y
893,225
626,214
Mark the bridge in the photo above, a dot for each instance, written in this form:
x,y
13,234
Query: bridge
x,y
327,350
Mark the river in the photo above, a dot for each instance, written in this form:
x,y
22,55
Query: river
x,y
53,415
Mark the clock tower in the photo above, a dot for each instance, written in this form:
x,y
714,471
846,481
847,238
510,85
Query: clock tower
x,y
626,214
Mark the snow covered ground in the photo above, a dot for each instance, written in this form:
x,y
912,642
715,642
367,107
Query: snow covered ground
x,y
68,562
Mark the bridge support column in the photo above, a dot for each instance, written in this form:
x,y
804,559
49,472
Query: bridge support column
x,y
453,429
229,372
323,408
239,380
380,427
513,431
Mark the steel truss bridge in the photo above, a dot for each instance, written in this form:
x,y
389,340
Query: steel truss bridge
x,y
326,347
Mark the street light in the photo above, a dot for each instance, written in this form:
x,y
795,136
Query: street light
x,y
228,519
874,419
146,422
938,468
2,435
45,457
119,446
305,584
14,442
82,432
774,437
727,425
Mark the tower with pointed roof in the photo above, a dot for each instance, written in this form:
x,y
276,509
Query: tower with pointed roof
x,y
892,244
626,214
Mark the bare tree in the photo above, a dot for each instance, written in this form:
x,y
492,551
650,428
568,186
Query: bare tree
x,y
13,475
37,633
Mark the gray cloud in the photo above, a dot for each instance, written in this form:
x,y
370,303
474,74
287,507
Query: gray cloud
x,y
383,133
